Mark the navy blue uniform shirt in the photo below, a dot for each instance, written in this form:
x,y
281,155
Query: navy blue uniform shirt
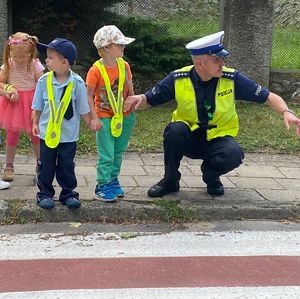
x,y
244,88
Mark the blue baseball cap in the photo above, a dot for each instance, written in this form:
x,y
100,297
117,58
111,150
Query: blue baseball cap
x,y
63,46
210,45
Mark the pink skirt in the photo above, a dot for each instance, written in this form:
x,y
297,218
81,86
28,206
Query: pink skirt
x,y
16,116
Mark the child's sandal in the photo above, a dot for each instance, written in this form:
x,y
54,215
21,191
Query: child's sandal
x,y
8,174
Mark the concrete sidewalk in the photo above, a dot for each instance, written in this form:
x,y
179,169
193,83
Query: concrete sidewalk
x,y
264,187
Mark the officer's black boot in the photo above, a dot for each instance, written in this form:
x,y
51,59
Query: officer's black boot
x,y
215,188
162,188
214,184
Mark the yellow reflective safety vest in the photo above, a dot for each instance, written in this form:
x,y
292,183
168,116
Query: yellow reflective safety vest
x,y
56,115
116,124
224,116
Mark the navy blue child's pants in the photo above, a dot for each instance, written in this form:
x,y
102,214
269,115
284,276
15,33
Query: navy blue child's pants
x,y
57,162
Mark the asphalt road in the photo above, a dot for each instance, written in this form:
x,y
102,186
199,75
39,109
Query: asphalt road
x,y
251,259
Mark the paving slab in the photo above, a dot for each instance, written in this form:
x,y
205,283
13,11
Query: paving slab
x,y
290,196
248,183
196,181
263,187
259,171
133,170
290,172
289,184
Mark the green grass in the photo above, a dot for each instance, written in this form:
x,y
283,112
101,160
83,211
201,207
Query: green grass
x,y
148,132
286,43
261,130
286,40
172,211
191,27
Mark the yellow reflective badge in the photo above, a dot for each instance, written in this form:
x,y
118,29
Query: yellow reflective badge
x,y
116,125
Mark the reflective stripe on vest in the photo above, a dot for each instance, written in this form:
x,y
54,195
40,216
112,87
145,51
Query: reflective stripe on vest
x,y
116,123
56,115
185,97
224,116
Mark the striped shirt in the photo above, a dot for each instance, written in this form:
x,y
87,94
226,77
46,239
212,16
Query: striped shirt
x,y
20,78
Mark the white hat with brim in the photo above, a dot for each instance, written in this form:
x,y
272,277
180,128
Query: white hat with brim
x,y
110,34
210,45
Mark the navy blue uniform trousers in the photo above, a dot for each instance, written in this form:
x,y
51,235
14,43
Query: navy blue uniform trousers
x,y
57,162
219,155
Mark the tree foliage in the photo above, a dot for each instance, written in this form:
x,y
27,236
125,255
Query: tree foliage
x,y
52,17
151,52
78,20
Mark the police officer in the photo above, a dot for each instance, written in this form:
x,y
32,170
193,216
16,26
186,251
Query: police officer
x,y
205,121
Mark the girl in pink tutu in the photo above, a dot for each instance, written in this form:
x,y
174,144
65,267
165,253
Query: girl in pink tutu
x,y
20,71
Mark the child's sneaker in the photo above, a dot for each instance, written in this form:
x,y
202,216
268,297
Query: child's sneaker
x,y
116,188
4,185
104,193
72,203
46,203
8,174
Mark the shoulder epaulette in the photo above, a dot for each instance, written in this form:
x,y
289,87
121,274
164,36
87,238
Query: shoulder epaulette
x,y
181,74
229,75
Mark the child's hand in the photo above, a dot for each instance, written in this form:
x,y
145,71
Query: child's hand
x,y
6,94
10,92
95,124
35,130
13,95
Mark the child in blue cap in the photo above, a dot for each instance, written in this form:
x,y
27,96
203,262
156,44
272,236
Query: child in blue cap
x,y
60,100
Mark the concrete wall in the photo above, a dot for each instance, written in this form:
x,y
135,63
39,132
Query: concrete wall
x,y
3,24
248,27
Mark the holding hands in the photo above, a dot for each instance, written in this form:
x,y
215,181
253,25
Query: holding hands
x,y
95,124
136,102
10,92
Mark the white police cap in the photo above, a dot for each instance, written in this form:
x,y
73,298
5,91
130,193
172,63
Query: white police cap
x,y
210,44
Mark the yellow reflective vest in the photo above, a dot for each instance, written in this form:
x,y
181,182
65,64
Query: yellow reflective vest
x,y
116,124
224,116
56,114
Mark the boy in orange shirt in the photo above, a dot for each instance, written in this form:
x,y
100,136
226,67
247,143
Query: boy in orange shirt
x,y
109,83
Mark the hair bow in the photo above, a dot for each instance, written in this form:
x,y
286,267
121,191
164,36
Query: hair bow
x,y
14,41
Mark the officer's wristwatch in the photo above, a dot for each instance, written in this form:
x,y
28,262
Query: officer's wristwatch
x,y
288,110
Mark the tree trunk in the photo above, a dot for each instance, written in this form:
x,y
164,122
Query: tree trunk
x,y
248,27
3,23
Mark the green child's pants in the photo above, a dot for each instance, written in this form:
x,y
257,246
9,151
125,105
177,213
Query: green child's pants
x,y
111,149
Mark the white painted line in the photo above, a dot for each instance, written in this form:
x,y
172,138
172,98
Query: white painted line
x,y
169,293
105,245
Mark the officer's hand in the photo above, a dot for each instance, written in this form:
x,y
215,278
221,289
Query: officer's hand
x,y
136,102
290,118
